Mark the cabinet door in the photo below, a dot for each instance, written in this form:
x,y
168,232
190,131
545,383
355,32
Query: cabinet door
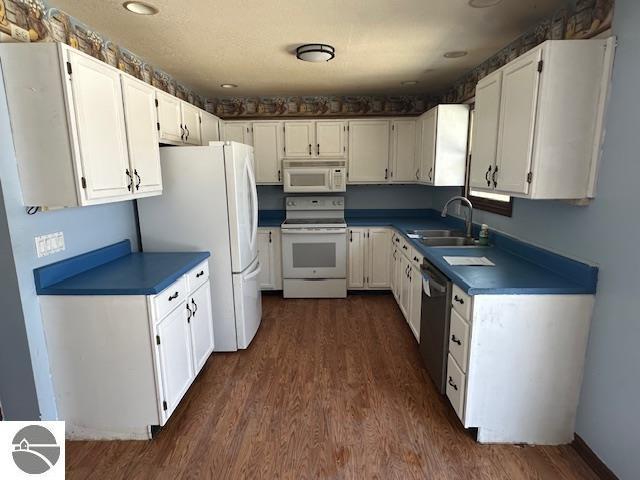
x,y
176,358
191,122
404,168
428,148
379,258
265,258
100,125
267,148
395,274
484,136
415,304
330,139
170,119
299,139
405,286
356,253
201,323
142,135
518,105
209,128
369,151
237,132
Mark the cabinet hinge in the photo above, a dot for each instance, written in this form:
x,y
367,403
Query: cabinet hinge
x,y
158,125
157,339
164,405
529,177
157,103
540,64
84,182
69,69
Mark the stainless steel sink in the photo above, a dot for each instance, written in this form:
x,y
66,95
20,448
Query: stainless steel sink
x,y
447,242
436,233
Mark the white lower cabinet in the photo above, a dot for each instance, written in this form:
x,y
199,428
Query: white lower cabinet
x,y
415,302
121,364
369,259
406,281
270,258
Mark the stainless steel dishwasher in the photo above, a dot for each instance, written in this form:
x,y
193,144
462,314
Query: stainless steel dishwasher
x,y
434,324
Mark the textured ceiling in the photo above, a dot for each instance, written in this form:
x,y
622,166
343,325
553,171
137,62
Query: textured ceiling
x,y
379,43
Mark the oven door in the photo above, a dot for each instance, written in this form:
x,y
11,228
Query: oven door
x,y
314,253
307,180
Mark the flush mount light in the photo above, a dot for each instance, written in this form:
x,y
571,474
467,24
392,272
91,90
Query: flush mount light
x,y
483,3
140,8
407,83
455,54
229,85
315,52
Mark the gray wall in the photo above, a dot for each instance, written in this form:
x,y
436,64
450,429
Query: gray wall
x,y
607,233
360,196
84,229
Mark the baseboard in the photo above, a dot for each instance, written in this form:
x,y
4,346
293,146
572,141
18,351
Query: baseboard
x,y
591,459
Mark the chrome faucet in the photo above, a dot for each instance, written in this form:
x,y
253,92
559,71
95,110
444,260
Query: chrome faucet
x,y
469,217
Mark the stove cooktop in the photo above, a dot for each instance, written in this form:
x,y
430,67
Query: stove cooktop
x,y
314,221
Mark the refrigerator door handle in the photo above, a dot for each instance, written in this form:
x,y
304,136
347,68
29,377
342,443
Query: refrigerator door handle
x,y
254,196
255,273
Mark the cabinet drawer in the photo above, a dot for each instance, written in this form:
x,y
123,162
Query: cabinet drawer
x,y
197,276
456,387
461,303
170,297
395,239
415,257
405,248
459,339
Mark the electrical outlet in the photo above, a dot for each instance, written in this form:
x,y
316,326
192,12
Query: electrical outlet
x,y
49,244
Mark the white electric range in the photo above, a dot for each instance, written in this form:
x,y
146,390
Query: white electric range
x,y
314,248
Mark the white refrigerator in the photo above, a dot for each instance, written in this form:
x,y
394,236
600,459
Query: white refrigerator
x,y
210,202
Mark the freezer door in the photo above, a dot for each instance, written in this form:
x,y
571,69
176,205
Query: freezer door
x,y
248,303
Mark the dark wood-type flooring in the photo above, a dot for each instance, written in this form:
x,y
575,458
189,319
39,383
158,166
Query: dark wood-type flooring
x,y
328,389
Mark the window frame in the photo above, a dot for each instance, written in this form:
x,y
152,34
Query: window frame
x,y
486,204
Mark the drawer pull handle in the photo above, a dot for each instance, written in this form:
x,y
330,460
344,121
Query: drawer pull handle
x,y
455,340
174,296
200,273
458,299
189,314
455,387
404,247
195,306
397,240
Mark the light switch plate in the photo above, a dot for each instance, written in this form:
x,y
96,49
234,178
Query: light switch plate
x,y
49,244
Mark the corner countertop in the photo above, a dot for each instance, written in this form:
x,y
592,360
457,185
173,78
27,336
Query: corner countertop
x,y
519,269
115,270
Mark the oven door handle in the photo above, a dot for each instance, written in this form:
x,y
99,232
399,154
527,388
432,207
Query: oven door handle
x,y
324,231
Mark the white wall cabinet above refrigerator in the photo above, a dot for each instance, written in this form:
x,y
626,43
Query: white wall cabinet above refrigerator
x,y
268,150
179,121
538,121
209,128
240,132
84,145
443,133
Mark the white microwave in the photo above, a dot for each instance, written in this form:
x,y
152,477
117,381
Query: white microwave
x,y
310,176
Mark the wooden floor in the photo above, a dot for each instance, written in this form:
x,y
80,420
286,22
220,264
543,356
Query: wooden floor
x,y
328,389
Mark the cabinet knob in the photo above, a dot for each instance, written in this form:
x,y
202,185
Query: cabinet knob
x,y
189,314
174,296
135,172
318,149
130,185
458,299
486,176
200,273
451,382
182,132
454,339
493,177
309,149
195,306
386,173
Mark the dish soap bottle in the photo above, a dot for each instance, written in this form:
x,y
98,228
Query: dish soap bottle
x,y
483,239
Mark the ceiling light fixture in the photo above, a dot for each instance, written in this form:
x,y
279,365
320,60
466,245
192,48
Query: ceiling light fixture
x,y
455,54
229,85
315,52
140,8
483,3
407,83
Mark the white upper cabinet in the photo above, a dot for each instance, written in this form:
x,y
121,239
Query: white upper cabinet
x,y
299,139
142,135
237,132
267,151
330,139
551,106
443,145
403,158
209,128
100,125
170,129
484,136
191,124
369,151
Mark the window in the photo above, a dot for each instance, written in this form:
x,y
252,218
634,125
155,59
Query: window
x,y
487,201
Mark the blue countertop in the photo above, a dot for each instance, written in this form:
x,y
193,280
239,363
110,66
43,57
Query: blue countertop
x,y
520,268
115,270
